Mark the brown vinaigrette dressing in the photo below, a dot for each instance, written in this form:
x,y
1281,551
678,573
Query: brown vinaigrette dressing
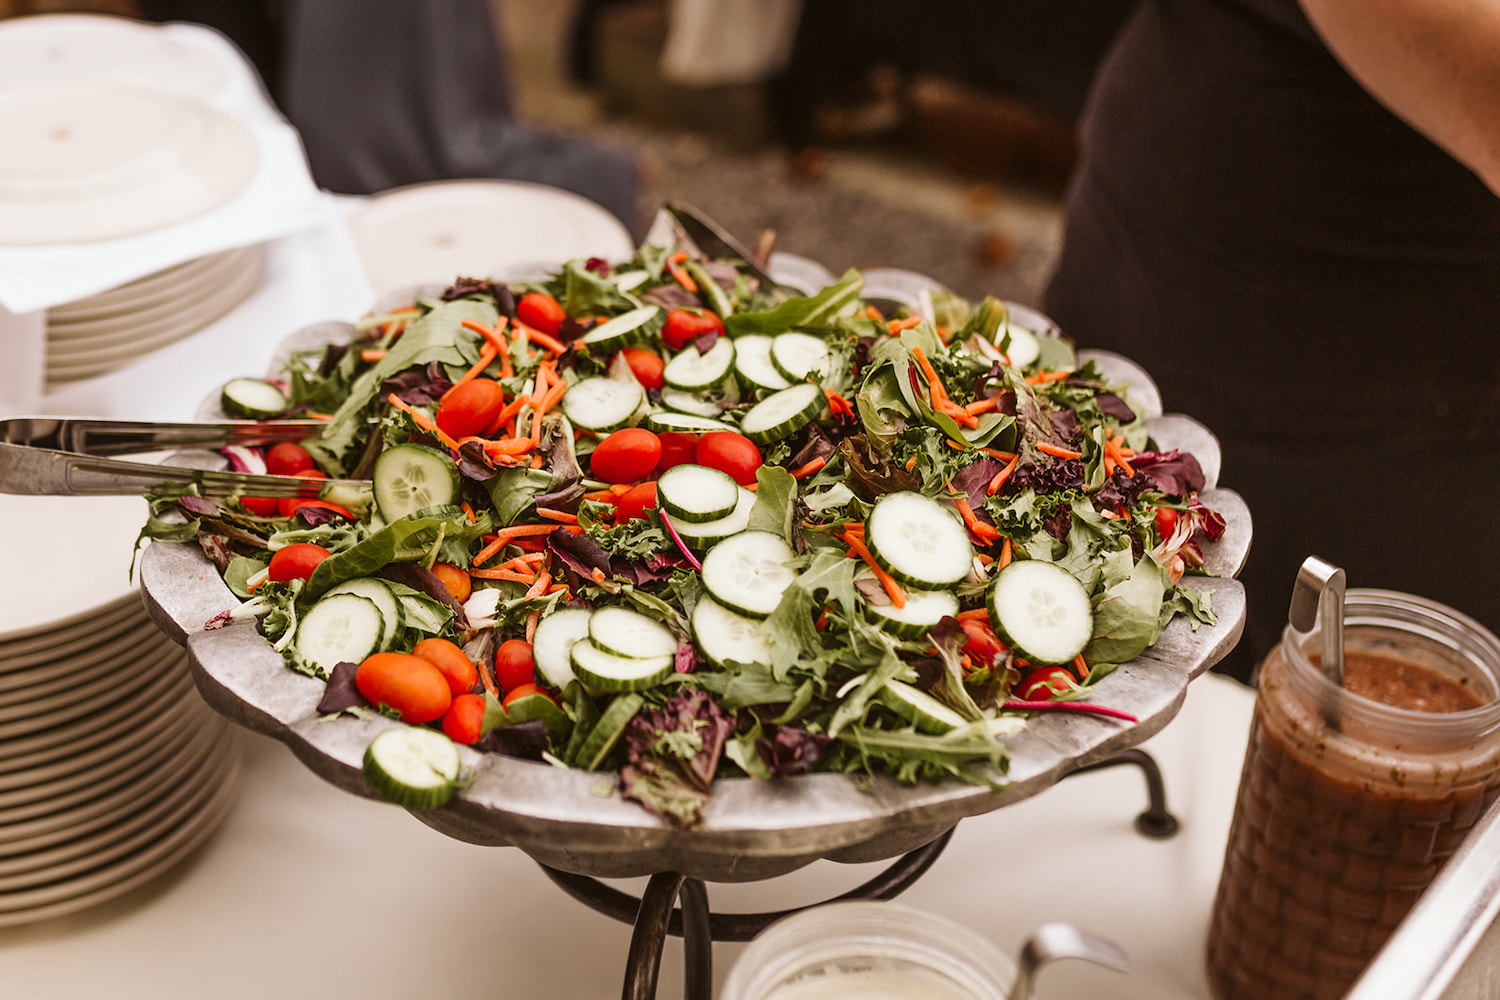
x,y
1336,832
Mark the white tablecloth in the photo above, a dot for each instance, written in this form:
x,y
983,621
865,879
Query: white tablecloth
x,y
309,893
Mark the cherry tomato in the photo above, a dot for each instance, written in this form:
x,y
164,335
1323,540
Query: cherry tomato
x,y
454,579
646,366
1166,521
635,503
524,691
1045,684
514,665
729,452
413,687
677,448
444,654
464,720
287,506
288,459
262,506
296,562
683,325
983,645
469,409
626,456
540,311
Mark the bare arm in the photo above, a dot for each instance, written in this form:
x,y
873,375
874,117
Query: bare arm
x,y
1436,63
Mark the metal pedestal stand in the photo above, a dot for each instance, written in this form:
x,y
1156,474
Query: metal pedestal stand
x,y
656,913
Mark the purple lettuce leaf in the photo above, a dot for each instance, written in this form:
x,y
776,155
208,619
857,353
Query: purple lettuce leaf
x,y
418,385
672,753
1175,473
788,751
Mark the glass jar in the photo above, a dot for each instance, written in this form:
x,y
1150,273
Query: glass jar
x,y
869,951
1348,806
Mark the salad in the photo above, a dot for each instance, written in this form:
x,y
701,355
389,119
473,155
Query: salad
x,y
651,518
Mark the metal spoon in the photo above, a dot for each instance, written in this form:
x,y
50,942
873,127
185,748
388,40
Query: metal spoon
x,y
1051,942
1318,602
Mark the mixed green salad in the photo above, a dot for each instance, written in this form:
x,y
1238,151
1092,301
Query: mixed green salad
x,y
653,518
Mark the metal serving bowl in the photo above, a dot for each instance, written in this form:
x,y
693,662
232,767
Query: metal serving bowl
x,y
576,821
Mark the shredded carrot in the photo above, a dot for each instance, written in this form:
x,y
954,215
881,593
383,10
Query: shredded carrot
x,y
540,339
486,355
597,575
979,406
422,421
1081,668
974,614
822,621
505,536
895,326
531,623
468,511
1057,452
536,461
1112,451
1042,378
892,589
996,453
838,404
508,446
1004,559
487,676
509,575
543,581
493,336
557,515
803,471
679,273
985,559
553,397
981,530
1001,476
872,313
371,354
934,384
601,496
911,463
508,414
314,415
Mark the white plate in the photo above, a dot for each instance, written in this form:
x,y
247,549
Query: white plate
x,y
105,725
116,315
143,292
77,667
26,651
129,872
196,309
435,232
64,47
136,343
147,668
109,673
40,790
40,871
175,764
67,555
89,162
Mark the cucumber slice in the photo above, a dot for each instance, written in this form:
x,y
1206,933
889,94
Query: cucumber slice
x,y
384,599
919,708
694,372
697,493
342,629
605,672
251,398
629,281
661,421
414,768
725,637
622,331
602,738
1041,611
408,477
920,615
919,541
783,413
702,535
799,356
1024,347
708,403
752,360
552,644
622,632
603,404
747,573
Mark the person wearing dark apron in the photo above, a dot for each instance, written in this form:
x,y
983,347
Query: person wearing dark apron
x,y
1311,277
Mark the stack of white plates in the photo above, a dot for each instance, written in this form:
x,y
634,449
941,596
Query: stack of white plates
x,y
91,336
112,768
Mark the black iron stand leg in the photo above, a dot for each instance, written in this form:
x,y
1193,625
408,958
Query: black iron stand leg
x,y
650,935
1157,821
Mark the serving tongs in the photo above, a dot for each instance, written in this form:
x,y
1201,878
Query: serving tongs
x,y
692,227
62,456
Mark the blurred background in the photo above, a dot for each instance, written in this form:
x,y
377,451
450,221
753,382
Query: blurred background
x,y
862,132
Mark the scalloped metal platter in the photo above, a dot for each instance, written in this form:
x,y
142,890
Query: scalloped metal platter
x,y
575,821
